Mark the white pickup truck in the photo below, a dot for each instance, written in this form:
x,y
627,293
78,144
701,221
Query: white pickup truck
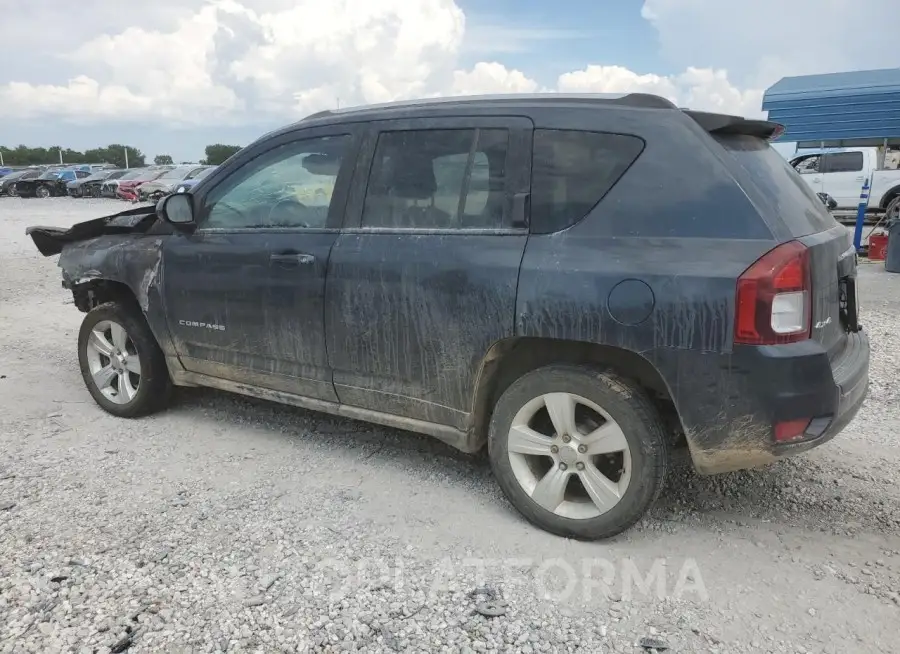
x,y
841,172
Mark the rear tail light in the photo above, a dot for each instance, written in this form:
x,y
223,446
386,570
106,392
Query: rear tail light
x,y
773,298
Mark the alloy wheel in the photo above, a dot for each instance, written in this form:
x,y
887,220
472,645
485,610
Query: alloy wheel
x,y
569,455
114,362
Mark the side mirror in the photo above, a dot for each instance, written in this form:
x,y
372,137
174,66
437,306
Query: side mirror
x,y
176,209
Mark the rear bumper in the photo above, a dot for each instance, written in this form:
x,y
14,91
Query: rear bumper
x,y
769,385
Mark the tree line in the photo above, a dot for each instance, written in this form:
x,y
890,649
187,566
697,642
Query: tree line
x,y
111,154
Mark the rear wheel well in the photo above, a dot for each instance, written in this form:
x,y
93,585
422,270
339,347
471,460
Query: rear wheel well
x,y
889,196
95,292
509,359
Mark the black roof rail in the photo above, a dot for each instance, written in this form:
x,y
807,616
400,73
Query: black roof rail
x,y
640,100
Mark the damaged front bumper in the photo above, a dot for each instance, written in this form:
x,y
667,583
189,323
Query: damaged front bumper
x,y
51,240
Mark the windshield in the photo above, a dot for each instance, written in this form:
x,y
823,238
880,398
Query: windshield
x,y
203,173
134,174
50,174
175,173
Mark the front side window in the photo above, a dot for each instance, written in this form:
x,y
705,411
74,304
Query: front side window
x,y
808,165
289,186
438,179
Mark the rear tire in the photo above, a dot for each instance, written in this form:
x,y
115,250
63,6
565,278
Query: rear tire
x,y
892,210
602,474
121,362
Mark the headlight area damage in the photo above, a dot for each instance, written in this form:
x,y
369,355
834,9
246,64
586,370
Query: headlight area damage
x,y
51,240
106,258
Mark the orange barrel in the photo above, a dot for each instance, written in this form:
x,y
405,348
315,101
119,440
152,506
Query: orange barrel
x,y
878,247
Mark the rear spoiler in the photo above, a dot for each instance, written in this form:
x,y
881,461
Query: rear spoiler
x,y
727,124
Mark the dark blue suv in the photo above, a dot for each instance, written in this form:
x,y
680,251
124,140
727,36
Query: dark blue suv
x,y
579,283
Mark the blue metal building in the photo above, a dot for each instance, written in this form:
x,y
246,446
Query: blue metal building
x,y
837,109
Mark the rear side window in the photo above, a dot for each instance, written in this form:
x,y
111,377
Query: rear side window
x,y
842,162
438,179
572,171
774,186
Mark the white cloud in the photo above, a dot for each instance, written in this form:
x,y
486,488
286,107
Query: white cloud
x,y
710,90
363,50
284,58
242,62
697,88
22,99
616,79
487,78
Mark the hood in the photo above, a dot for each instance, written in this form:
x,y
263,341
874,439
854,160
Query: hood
x,y
51,240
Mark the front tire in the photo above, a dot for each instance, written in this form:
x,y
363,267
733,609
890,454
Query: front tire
x,y
42,192
121,363
579,452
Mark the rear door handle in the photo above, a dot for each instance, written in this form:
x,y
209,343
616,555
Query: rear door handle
x,y
860,178
292,258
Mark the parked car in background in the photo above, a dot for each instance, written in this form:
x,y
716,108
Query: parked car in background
x,y
128,188
496,273
109,186
188,184
8,182
89,187
841,172
50,183
167,182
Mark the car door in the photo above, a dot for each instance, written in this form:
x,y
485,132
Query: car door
x,y
843,177
809,168
422,280
244,293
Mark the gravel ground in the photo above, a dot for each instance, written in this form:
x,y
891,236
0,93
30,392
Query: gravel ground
x,y
227,524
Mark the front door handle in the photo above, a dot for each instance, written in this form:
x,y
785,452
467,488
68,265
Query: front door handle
x,y
292,258
860,178
817,179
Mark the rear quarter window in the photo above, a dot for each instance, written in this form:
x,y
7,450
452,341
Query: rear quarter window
x,y
777,191
571,172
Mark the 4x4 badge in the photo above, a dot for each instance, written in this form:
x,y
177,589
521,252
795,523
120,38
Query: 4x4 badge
x,y
822,323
